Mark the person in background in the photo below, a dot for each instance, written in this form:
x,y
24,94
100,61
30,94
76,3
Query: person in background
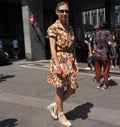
x,y
114,58
118,51
63,64
103,39
97,28
16,48
89,42
1,45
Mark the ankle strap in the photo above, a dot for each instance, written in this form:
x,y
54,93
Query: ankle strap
x,y
60,113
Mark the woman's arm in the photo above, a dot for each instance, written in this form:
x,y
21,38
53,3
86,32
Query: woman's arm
x,y
54,53
74,53
109,39
90,50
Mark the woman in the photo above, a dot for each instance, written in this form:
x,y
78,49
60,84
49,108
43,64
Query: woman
x,y
61,38
103,39
114,58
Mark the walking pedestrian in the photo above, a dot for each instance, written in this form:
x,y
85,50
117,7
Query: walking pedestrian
x,y
103,40
97,28
63,64
1,45
89,41
16,48
114,57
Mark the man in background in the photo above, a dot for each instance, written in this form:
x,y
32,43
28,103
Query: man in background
x,y
16,48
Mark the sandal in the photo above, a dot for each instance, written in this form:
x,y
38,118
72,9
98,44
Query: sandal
x,y
51,110
104,87
98,86
64,123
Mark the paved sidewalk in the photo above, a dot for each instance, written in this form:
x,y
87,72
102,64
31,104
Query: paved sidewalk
x,y
25,94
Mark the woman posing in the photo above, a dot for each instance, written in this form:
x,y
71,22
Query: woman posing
x,y
63,65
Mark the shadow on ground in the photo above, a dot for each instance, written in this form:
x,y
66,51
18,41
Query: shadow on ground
x,y
113,83
12,122
80,111
5,77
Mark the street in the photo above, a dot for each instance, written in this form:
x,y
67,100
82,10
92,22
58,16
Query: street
x,y
25,95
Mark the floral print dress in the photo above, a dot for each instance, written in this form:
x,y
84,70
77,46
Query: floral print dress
x,y
64,49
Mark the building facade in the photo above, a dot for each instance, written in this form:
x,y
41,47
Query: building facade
x,y
92,17
34,44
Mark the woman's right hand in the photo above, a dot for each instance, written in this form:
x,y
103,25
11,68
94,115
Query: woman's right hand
x,y
58,70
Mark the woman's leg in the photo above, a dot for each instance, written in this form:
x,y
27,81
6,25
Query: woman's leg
x,y
98,68
59,98
56,109
61,95
115,62
68,93
111,63
106,71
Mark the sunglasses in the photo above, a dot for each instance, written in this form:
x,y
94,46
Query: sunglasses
x,y
64,11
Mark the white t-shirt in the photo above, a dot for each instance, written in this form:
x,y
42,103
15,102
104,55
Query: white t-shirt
x,y
15,43
1,46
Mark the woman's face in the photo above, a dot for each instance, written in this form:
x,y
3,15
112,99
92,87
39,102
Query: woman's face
x,y
113,37
63,13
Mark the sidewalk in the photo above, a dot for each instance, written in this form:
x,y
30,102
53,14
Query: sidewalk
x,y
25,95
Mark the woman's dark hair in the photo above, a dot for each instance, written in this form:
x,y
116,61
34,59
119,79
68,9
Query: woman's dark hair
x,y
104,25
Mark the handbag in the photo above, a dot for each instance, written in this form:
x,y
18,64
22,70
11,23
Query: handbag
x,y
65,69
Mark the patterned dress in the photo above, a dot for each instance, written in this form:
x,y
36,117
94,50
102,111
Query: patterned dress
x,y
64,49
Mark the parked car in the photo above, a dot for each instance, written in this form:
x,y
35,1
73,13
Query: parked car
x,y
4,58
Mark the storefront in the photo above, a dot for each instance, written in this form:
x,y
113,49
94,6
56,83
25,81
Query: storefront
x,y
11,27
18,23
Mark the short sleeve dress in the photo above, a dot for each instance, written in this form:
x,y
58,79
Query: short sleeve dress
x,y
64,49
